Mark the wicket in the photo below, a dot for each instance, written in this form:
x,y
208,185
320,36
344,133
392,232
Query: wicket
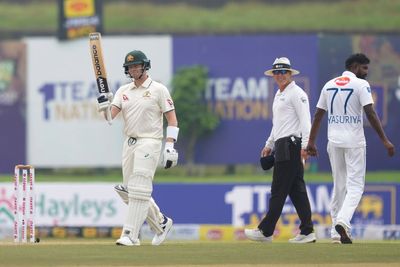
x,y
28,194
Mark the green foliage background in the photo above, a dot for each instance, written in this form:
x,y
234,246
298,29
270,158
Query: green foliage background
x,y
195,120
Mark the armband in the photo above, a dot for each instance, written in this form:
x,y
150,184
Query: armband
x,y
172,132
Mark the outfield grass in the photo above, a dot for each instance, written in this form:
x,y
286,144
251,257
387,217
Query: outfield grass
x,y
128,17
372,177
179,177
78,252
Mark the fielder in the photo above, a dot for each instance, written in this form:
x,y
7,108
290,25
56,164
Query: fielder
x,y
142,104
345,97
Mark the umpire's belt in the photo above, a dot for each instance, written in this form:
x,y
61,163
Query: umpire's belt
x,y
284,145
291,138
132,141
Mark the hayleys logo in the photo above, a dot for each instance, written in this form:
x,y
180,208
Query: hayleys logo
x,y
341,81
6,207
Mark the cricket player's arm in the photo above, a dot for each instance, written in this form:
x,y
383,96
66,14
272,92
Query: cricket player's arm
x,y
170,158
376,124
316,123
172,129
114,111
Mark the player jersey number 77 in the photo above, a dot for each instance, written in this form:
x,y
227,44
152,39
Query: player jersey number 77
x,y
342,97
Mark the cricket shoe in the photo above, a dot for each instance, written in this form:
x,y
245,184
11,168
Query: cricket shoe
x,y
301,239
125,240
336,240
167,226
122,192
256,235
343,231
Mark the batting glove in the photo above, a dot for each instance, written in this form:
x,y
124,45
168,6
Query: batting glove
x,y
170,158
104,102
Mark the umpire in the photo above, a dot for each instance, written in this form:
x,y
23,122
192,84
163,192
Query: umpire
x,y
291,123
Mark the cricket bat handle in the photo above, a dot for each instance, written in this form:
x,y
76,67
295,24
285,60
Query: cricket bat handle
x,y
108,116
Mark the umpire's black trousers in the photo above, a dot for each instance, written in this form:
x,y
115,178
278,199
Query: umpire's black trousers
x,y
288,179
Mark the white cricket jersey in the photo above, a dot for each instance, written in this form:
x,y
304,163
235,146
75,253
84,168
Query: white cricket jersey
x,y
290,115
344,98
142,108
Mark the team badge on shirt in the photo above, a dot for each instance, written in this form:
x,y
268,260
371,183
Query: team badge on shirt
x,y
146,94
125,98
171,104
342,81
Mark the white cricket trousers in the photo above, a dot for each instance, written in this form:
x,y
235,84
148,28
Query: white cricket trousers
x,y
141,156
348,171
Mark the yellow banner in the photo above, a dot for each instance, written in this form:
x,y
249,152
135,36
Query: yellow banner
x,y
79,8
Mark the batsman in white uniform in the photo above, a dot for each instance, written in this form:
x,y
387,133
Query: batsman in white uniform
x,y
142,103
344,98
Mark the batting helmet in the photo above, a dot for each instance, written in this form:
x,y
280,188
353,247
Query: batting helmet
x,y
136,57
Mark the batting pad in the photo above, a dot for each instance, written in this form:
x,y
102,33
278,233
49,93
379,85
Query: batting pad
x,y
140,188
154,216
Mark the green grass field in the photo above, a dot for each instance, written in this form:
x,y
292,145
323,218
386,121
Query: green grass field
x,y
122,17
78,252
176,176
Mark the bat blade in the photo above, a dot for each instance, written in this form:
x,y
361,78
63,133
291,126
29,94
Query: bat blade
x,y
96,53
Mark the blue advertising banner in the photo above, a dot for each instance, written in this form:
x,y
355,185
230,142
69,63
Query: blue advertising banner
x,y
12,105
384,77
238,91
244,204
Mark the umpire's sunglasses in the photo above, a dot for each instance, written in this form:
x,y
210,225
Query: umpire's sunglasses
x,y
276,72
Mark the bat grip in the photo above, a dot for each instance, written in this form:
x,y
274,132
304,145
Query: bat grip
x,y
108,116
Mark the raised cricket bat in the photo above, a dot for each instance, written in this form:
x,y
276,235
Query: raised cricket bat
x,y
96,53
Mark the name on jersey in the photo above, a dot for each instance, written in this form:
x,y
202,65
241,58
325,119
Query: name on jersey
x,y
344,119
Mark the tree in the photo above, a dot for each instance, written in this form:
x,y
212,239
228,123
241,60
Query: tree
x,y
194,118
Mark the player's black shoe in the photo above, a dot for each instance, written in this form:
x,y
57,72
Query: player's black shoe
x,y
342,230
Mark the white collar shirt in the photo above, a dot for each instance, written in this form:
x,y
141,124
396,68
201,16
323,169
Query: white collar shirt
x,y
290,115
143,107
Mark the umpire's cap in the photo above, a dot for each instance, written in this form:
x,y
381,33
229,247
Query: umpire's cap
x,y
282,63
267,162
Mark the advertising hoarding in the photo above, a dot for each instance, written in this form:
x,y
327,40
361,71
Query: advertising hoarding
x,y
64,128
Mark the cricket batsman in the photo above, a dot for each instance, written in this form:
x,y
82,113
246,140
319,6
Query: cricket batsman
x,y
142,103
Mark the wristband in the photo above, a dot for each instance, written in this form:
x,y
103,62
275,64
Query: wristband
x,y
172,132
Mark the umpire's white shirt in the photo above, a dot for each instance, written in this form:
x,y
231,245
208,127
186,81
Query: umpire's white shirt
x,y
344,98
290,115
142,108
